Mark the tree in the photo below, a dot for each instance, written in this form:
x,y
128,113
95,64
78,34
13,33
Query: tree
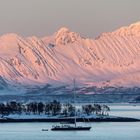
x,y
55,107
40,108
88,109
97,109
13,106
68,109
105,110
47,108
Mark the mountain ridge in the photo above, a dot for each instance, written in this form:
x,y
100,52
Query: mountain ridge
x,y
110,60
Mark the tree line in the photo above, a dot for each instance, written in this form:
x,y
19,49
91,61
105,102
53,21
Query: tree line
x,y
51,108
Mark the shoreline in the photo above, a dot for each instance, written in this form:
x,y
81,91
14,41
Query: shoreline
x,y
117,119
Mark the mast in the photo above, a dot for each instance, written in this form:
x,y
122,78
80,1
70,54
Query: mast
x,y
74,103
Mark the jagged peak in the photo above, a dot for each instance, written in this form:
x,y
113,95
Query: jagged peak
x,y
137,24
10,37
63,30
131,30
33,38
64,36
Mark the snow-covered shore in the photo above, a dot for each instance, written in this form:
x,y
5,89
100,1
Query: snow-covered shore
x,y
43,116
59,118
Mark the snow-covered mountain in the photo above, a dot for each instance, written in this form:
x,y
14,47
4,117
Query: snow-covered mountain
x,y
112,59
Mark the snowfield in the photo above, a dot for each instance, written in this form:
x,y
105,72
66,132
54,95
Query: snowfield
x,y
29,64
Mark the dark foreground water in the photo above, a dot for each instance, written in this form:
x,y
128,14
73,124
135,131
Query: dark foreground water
x,y
99,131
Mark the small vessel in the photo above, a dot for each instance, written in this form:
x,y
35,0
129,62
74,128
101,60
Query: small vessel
x,y
69,127
45,130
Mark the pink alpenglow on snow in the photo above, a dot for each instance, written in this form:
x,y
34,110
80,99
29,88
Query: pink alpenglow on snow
x,y
111,59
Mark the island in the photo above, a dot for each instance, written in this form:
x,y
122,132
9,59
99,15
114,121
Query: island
x,y
57,112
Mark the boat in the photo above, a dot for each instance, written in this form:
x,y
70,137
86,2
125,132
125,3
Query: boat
x,y
45,130
69,127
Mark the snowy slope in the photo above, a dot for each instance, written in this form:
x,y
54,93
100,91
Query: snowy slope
x,y
112,59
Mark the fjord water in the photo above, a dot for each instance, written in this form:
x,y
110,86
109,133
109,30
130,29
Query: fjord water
x,y
99,131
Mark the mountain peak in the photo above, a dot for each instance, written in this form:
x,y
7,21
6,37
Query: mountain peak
x,y
130,30
63,30
137,24
10,35
64,36
9,44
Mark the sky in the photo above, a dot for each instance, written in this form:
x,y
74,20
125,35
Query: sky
x,y
88,17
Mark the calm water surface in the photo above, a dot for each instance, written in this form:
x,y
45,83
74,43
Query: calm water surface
x,y
99,131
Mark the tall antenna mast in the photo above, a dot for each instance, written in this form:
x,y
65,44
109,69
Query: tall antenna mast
x,y
74,103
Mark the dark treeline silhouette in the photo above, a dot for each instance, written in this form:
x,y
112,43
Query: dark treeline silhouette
x,y
51,108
